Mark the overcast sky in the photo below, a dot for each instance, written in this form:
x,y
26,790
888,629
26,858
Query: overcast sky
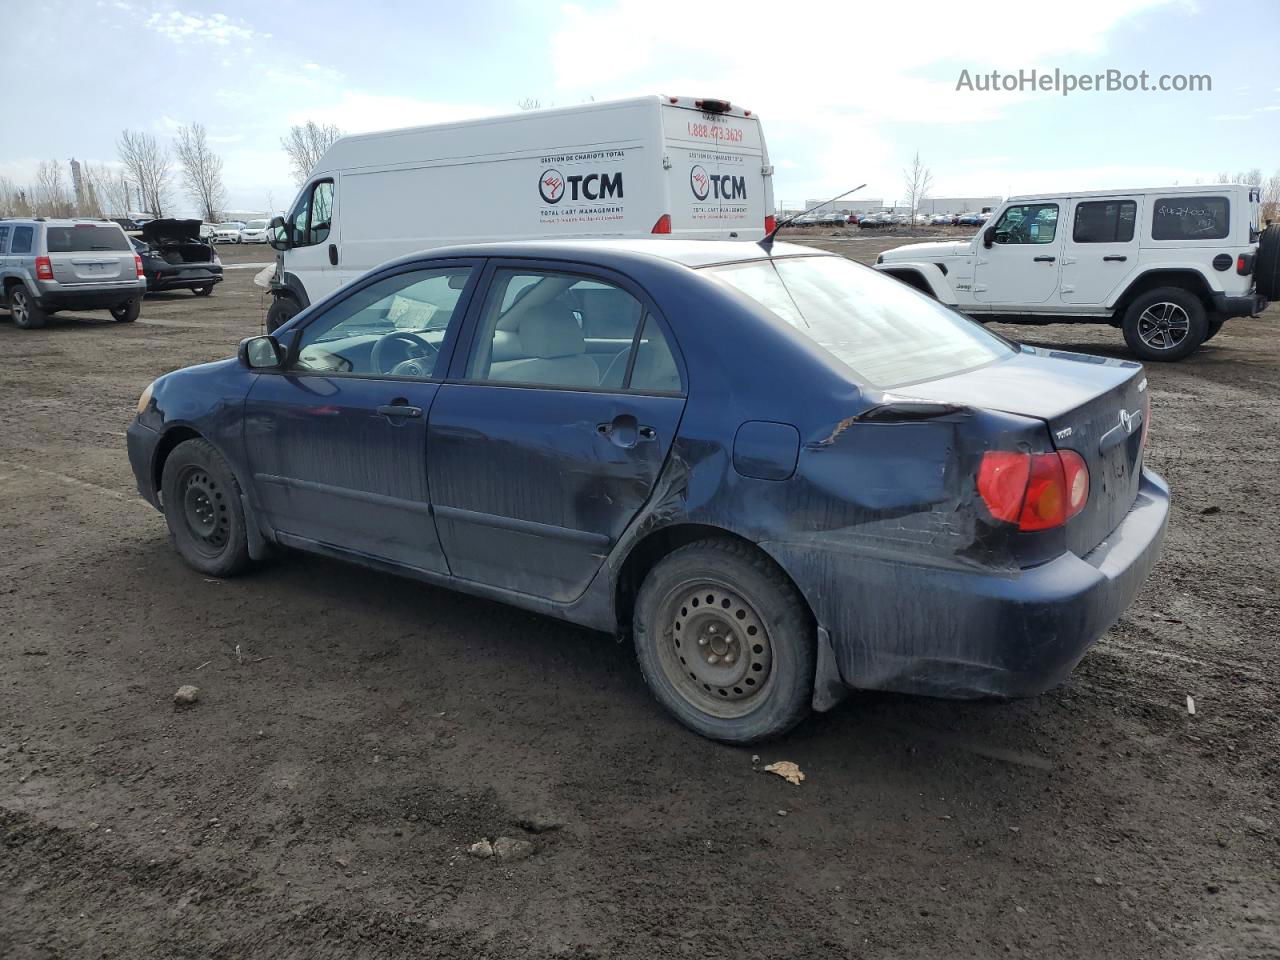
x,y
846,92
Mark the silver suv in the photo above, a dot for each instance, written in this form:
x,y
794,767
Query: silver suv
x,y
48,265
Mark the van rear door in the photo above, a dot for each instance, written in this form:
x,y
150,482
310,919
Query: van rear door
x,y
716,162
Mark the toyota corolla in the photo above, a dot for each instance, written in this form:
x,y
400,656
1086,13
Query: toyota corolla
x,y
780,472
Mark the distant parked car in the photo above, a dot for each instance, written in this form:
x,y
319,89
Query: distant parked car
x,y
871,221
968,219
940,220
228,232
255,231
175,258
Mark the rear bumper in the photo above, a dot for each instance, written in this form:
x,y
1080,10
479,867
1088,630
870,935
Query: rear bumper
x,y
142,442
182,276
88,296
1249,305
962,634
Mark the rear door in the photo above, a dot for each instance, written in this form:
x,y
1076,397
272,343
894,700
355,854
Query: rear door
x,y
716,177
89,253
1101,249
546,441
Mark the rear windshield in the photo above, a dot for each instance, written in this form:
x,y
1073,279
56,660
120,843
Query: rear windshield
x,y
887,333
256,225
84,237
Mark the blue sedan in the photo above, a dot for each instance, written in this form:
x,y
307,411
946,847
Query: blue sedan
x,y
782,473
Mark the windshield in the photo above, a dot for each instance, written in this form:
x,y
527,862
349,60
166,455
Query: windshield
x,y
885,332
228,226
256,225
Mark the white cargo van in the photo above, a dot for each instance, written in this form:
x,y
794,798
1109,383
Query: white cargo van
x,y
691,168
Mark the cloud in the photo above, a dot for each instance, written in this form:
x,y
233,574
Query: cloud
x,y
216,28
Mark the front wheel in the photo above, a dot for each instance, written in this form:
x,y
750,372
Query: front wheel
x,y
725,642
1168,323
201,500
127,312
281,311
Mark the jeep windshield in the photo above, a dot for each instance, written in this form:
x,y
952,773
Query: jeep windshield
x,y
888,334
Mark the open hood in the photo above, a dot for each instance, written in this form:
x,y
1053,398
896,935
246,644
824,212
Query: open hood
x,y
171,231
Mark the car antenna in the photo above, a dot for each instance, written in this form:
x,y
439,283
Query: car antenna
x,y
767,242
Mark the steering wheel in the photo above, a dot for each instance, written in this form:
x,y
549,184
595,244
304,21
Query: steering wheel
x,y
418,355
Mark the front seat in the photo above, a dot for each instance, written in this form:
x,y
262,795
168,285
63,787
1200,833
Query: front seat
x,y
554,349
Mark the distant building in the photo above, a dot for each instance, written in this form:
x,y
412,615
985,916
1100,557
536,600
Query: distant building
x,y
931,205
847,205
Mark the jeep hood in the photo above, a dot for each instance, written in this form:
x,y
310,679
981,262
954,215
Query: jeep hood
x,y
171,231
928,251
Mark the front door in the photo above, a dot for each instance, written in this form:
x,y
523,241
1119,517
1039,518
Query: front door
x,y
556,432
1021,265
337,440
314,258
1101,251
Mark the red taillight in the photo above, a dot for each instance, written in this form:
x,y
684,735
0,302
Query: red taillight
x,y
44,269
1036,491
1244,264
663,225
137,264
770,224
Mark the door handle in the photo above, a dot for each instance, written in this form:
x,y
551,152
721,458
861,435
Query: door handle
x,y
1114,257
1044,259
623,431
399,408
333,254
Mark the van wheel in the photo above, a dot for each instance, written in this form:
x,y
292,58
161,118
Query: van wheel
x,y
203,291
127,312
281,311
725,642
1165,324
25,311
202,508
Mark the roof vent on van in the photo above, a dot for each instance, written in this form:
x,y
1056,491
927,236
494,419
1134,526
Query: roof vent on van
x,y
713,106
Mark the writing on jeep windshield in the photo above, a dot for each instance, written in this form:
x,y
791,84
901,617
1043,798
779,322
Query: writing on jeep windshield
x,y
1190,218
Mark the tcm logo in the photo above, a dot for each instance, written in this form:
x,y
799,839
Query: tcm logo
x,y
724,187
552,184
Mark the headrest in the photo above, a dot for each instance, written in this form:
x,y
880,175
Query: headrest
x,y
551,330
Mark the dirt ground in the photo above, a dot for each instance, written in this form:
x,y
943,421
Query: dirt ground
x,y
356,732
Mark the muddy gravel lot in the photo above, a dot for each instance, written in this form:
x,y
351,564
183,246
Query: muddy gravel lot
x,y
355,732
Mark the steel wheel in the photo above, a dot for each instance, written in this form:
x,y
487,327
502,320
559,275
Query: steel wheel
x,y
714,649
204,509
1162,326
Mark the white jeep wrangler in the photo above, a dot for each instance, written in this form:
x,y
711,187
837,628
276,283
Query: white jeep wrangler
x,y
1168,265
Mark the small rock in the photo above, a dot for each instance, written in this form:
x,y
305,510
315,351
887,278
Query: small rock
x,y
1254,823
186,695
1021,909
1099,881
482,849
782,813
1210,511
343,862
509,849
1212,887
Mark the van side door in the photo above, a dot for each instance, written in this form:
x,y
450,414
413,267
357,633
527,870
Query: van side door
x,y
1100,249
313,259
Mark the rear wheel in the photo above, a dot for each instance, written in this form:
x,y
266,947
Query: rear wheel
x,y
725,642
25,311
1165,324
127,312
201,501
203,291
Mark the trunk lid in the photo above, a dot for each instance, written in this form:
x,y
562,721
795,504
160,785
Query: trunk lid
x,y
87,253
1092,405
163,232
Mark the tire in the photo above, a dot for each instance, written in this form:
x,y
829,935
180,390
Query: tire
x,y
755,636
1215,326
202,507
202,291
1266,266
281,311
127,312
1169,315
26,313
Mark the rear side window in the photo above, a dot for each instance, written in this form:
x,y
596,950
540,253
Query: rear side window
x,y
84,237
4,236
1104,221
21,240
1190,218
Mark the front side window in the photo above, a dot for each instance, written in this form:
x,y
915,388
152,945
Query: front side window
x,y
21,240
1104,221
392,328
313,215
885,332
1190,218
1028,223
556,329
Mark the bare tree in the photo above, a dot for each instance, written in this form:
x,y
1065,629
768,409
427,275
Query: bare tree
x,y
201,171
114,190
918,180
1271,198
1252,177
149,167
51,199
529,103
306,144
13,199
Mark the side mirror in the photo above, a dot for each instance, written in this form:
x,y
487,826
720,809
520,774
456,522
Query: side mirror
x,y
260,353
278,234
988,237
